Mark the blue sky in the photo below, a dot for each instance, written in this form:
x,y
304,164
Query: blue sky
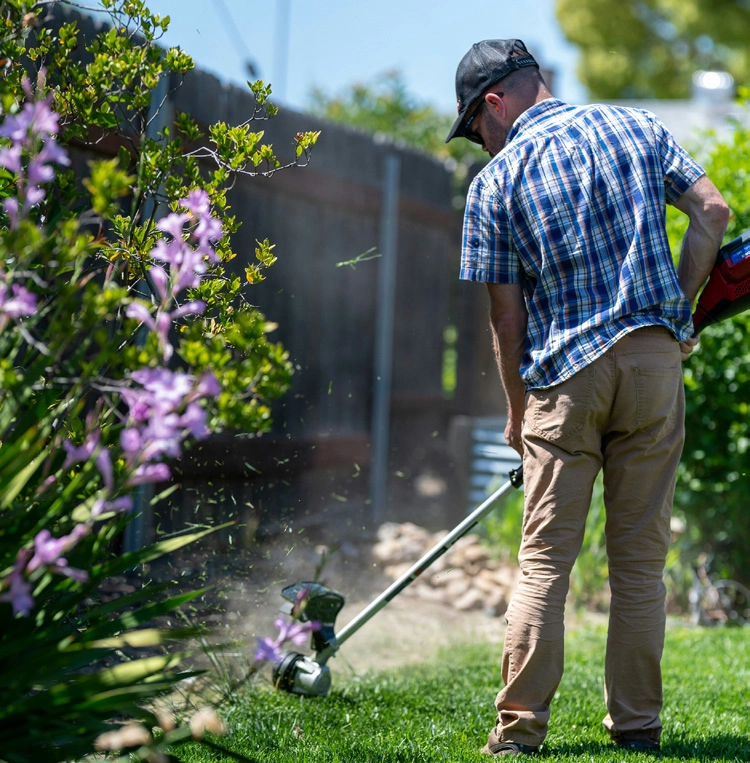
x,y
301,44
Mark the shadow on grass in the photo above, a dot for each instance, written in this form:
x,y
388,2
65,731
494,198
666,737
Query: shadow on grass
x,y
728,747
715,747
229,753
577,749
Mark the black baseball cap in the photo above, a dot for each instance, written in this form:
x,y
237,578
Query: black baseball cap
x,y
485,64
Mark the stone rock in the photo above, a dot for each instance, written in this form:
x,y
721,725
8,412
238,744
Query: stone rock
x,y
471,599
456,588
465,577
496,603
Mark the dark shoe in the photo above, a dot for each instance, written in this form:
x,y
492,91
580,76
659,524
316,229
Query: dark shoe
x,y
509,748
636,742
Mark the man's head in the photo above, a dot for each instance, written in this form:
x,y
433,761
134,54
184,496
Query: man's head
x,y
480,71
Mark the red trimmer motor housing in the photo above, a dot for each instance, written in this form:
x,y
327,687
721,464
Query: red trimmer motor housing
x,y
727,291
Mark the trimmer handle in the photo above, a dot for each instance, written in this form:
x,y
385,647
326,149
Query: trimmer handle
x,y
516,476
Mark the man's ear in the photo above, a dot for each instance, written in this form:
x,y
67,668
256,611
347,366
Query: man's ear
x,y
496,103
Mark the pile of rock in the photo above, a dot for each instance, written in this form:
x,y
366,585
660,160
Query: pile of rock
x,y
465,577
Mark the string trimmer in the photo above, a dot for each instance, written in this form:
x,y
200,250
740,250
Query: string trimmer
x,y
310,676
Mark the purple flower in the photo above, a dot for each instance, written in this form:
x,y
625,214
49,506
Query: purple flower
x,y
103,463
296,632
76,454
194,420
39,173
123,504
130,440
196,307
207,386
208,229
267,650
170,387
19,589
161,324
150,473
140,312
34,194
171,252
10,158
161,415
162,436
52,152
22,303
161,281
11,208
173,224
138,402
197,202
189,264
36,118
190,270
32,133
48,553
91,448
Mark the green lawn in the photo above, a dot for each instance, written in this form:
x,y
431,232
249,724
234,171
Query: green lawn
x,y
442,710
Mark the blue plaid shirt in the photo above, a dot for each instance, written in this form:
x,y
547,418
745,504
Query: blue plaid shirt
x,y
573,208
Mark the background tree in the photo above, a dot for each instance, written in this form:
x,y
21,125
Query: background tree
x,y
651,48
714,475
385,106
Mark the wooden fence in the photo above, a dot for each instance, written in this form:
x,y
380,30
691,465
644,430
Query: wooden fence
x,y
328,439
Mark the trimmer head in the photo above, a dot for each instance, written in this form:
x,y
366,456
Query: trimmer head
x,y
300,674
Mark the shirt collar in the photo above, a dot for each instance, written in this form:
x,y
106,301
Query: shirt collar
x,y
535,113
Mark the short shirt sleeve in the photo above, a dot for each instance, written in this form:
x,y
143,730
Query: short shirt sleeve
x,y
488,253
680,169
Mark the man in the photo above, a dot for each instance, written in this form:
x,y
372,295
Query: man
x,y
590,319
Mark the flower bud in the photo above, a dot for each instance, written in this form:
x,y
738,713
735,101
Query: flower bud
x,y
206,719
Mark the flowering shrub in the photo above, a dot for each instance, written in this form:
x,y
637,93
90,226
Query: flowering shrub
x,y
122,340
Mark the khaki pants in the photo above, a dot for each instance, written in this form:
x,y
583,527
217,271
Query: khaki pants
x,y
624,414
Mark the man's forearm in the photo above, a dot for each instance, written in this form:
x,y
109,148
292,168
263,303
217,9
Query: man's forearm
x,y
510,342
509,345
697,258
508,321
708,214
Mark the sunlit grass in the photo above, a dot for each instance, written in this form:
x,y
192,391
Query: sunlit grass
x,y
442,710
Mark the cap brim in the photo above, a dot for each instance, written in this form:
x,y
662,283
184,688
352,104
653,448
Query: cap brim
x,y
457,131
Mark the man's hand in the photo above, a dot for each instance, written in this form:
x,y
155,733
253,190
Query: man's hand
x,y
688,346
513,433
